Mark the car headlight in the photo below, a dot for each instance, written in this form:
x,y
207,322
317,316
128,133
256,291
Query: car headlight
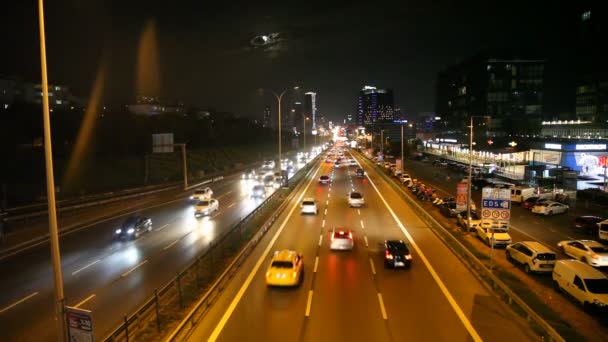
x,y
131,231
118,231
598,302
408,257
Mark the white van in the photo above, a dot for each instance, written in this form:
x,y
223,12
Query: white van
x,y
603,230
583,282
521,193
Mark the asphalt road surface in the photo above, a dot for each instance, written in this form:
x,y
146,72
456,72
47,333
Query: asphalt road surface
x,y
350,296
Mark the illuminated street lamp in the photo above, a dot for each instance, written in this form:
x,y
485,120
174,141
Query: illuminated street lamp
x,y
512,144
471,143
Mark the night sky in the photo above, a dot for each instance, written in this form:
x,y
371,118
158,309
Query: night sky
x,y
334,48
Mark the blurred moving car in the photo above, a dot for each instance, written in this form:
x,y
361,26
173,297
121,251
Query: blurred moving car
x,y
202,194
550,208
359,173
249,174
355,199
588,251
341,239
396,254
206,207
533,255
133,227
587,224
309,206
286,269
324,180
258,191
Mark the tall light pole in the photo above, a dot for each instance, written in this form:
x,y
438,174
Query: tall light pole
x,y
382,142
279,97
471,169
304,130
50,185
402,160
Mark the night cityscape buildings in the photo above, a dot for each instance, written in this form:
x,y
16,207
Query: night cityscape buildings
x,y
310,108
267,120
502,86
374,105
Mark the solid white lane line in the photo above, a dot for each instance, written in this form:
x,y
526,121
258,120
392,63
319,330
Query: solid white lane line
x,y
365,239
359,211
323,224
89,265
382,309
134,268
327,202
362,225
463,318
170,245
309,303
314,270
325,211
18,302
320,240
85,300
162,227
232,205
371,264
228,312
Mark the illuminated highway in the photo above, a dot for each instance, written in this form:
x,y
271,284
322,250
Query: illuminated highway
x,y
112,278
350,296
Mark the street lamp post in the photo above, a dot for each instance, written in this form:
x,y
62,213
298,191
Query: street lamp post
x,y
50,185
304,131
402,161
382,142
470,169
279,97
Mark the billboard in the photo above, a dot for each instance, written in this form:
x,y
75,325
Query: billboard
x,y
162,143
461,195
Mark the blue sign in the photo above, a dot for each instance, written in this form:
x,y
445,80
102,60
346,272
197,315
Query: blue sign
x,y
487,203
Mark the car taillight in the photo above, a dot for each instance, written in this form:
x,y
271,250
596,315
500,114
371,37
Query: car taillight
x,y
388,255
595,256
350,236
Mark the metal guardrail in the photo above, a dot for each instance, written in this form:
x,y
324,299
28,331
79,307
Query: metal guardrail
x,y
208,262
469,259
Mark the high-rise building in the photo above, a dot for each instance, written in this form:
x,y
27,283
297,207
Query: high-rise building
x,y
297,115
506,88
310,108
375,105
266,122
592,71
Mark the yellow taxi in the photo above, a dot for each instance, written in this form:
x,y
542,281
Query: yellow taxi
x,y
286,269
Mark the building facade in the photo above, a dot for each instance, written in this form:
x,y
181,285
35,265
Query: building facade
x,y
374,105
310,108
506,88
592,73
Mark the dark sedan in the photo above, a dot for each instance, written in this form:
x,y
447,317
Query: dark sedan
x,y
396,254
449,209
133,227
587,224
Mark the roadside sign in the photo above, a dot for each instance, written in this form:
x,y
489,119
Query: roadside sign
x,y
496,204
461,195
80,325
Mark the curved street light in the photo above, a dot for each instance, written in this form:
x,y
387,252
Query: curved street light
x,y
279,97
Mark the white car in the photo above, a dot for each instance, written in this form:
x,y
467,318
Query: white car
x,y
309,206
533,255
405,178
589,251
201,194
550,208
494,236
324,180
206,207
355,199
341,239
258,191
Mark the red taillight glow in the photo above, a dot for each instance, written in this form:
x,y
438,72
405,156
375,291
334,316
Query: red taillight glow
x,y
350,235
388,255
595,256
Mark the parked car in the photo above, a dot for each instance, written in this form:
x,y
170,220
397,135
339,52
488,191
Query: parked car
x,y
494,236
587,224
448,209
530,202
473,222
533,255
588,251
550,208
133,227
405,178
586,284
396,254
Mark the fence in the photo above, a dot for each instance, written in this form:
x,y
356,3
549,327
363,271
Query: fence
x,y
518,306
188,283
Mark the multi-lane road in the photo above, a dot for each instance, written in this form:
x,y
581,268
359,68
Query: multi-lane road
x,y
112,278
350,296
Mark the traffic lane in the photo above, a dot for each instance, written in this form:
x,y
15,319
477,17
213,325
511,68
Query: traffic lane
x,y
345,304
489,316
283,308
126,256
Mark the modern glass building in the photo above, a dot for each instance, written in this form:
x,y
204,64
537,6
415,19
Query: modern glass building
x,y
375,105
